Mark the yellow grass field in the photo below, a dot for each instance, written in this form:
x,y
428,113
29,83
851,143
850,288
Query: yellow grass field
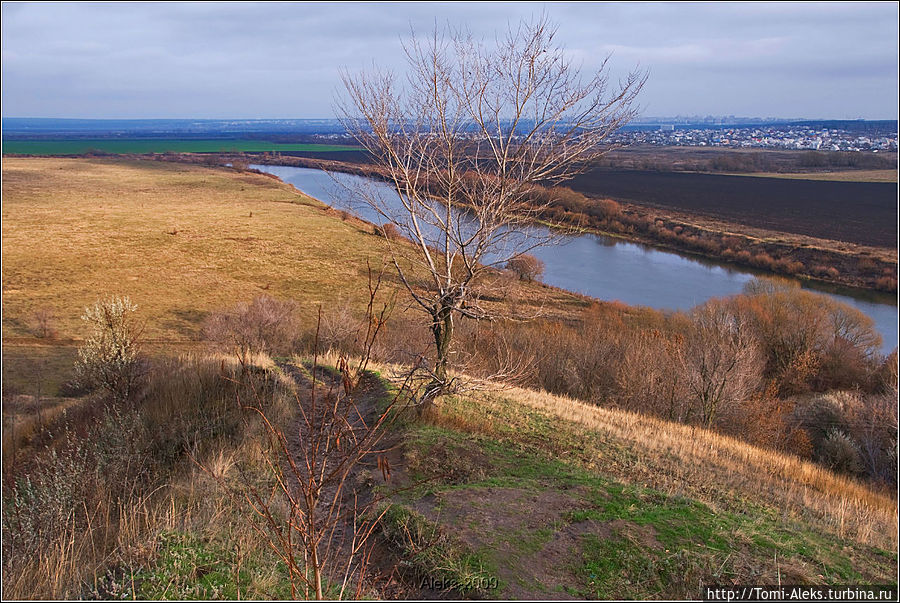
x,y
179,240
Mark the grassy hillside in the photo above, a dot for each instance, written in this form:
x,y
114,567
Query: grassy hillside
x,y
502,492
553,497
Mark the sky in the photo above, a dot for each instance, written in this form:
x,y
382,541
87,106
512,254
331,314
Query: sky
x,y
283,60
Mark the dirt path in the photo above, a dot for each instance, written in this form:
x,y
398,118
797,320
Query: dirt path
x,y
356,490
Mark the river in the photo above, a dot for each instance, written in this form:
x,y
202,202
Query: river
x,y
608,268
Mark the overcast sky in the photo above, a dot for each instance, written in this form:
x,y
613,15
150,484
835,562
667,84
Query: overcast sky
x,y
259,60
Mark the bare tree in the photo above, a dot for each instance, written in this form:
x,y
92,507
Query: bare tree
x,y
463,140
723,359
526,266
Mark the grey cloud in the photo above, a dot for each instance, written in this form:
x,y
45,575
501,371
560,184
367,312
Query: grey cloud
x,y
283,60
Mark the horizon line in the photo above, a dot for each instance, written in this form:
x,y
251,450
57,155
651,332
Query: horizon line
x,y
332,118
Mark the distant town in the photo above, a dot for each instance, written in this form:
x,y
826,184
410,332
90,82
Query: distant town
x,y
813,136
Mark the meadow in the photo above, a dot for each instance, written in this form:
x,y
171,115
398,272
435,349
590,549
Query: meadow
x,y
159,145
180,240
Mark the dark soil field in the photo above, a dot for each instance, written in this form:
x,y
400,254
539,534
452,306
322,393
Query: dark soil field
x,y
354,156
856,212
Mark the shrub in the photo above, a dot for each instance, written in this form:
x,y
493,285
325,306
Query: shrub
x,y
528,267
108,360
886,283
724,360
604,209
43,324
389,231
810,341
840,453
568,199
787,266
264,325
867,264
763,260
733,242
240,164
339,327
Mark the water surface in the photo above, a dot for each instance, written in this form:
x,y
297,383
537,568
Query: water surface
x,y
608,268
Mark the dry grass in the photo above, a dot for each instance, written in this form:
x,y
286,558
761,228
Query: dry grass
x,y
179,240
721,470
119,527
675,458
836,176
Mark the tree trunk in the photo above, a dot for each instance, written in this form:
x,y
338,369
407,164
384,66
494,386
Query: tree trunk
x,y
442,329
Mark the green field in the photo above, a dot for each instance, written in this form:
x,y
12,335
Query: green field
x,y
141,145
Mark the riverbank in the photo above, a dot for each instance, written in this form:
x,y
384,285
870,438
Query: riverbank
x,y
804,257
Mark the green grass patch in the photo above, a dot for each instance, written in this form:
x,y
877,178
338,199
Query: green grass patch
x,y
617,567
630,541
138,145
190,567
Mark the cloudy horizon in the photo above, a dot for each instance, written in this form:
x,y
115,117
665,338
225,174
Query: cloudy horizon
x,y
277,60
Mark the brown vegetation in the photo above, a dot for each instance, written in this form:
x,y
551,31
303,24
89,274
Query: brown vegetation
x,y
727,404
736,365
389,231
526,267
265,325
113,480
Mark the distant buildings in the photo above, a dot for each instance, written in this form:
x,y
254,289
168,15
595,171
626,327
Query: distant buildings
x,y
785,136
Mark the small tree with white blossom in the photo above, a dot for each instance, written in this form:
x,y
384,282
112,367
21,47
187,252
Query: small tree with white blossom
x,y
108,360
